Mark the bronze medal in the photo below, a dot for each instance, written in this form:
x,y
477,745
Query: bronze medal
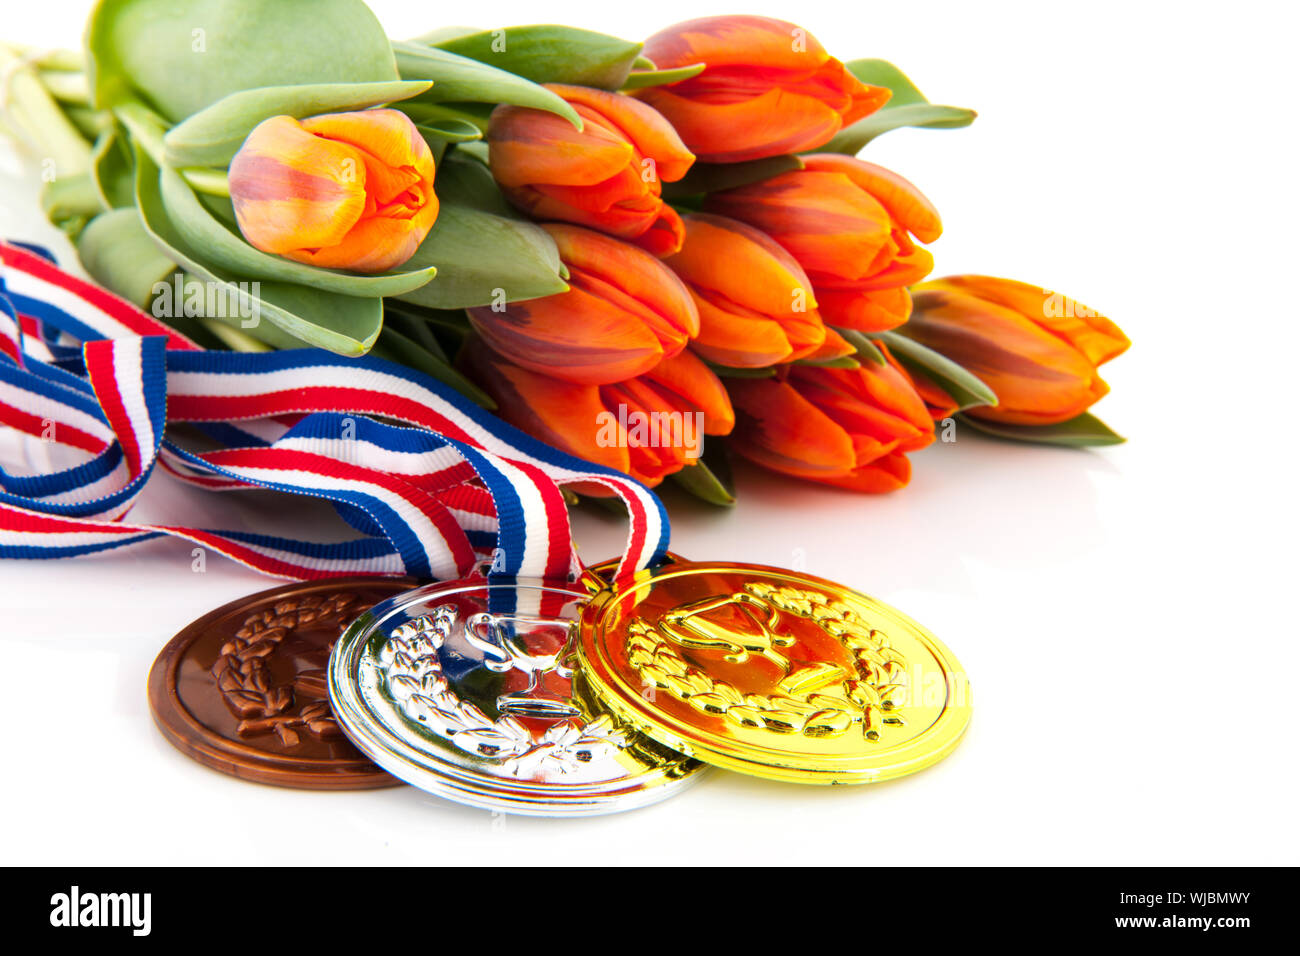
x,y
243,689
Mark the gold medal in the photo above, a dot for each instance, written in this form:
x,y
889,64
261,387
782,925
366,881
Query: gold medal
x,y
772,673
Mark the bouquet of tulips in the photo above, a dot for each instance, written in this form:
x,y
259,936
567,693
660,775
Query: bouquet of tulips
x,y
618,247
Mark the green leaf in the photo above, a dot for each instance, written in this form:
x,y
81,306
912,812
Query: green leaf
x,y
184,55
840,361
71,201
709,479
120,255
546,53
883,73
464,181
436,114
459,79
450,131
713,177
641,79
441,34
477,253
726,371
344,324
227,330
965,388
1079,432
90,123
482,250
227,250
866,348
907,107
212,136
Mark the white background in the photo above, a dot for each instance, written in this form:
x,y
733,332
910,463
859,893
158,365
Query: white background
x,y
1126,615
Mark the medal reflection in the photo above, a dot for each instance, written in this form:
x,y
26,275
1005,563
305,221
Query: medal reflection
x,y
466,690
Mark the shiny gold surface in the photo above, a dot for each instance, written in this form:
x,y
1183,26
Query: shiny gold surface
x,y
773,673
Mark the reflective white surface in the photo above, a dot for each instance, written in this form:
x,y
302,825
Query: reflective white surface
x,y
1126,616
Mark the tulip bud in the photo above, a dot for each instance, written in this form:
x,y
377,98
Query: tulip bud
x,y
756,306
768,88
1038,350
608,176
340,191
846,427
624,312
649,427
850,224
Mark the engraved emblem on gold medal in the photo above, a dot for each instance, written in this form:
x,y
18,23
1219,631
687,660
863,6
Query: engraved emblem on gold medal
x,y
821,699
774,673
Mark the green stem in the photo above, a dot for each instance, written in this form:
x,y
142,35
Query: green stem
x,y
66,87
233,338
147,129
145,126
205,179
33,112
70,61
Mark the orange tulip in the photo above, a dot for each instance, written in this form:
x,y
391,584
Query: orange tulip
x,y
341,191
756,305
768,88
607,176
624,312
846,427
1037,350
850,224
649,427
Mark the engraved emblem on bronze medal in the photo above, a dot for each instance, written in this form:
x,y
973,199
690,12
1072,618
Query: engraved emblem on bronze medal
x,y
243,671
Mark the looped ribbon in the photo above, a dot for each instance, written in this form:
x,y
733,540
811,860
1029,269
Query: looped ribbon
x,y
431,497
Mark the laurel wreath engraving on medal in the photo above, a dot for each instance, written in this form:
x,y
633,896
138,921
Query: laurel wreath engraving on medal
x,y
868,699
244,677
414,677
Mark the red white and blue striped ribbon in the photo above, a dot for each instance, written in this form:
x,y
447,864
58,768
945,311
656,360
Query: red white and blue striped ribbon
x,y
429,498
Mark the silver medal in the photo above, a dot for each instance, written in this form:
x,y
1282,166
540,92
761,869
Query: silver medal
x,y
467,690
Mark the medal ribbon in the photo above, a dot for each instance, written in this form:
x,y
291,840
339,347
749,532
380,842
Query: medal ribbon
x,y
430,497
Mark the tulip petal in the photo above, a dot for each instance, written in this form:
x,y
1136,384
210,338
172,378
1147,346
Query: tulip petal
x,y
387,135
742,41
575,335
938,402
780,429
375,244
822,219
772,123
737,337
768,88
744,265
882,475
875,402
630,278
291,189
656,436
1097,337
665,236
877,310
652,135
1038,377
564,414
835,346
905,204
527,146
691,385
